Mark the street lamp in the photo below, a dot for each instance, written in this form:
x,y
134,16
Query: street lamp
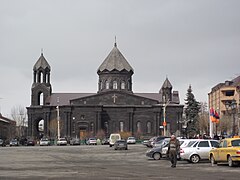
x,y
165,104
232,106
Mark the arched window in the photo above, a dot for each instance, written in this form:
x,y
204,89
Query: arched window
x,y
107,85
91,127
101,85
106,127
121,126
114,84
149,127
40,98
41,126
138,126
123,85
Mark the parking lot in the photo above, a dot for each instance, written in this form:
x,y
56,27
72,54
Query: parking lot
x,y
100,162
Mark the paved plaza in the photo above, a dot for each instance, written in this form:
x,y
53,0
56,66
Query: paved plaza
x,y
100,162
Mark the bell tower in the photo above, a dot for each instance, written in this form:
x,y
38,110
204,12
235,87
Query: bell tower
x,y
166,91
41,87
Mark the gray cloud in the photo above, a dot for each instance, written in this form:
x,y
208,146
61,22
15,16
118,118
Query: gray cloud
x,y
191,41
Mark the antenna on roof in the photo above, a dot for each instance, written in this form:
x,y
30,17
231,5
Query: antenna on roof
x,y
41,51
115,44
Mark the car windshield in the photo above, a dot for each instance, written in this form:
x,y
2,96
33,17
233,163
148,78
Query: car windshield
x,y
236,142
131,138
62,139
92,139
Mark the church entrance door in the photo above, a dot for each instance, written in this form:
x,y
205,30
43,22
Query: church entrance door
x,y
83,134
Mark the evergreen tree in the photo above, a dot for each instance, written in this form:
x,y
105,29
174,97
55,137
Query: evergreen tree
x,y
191,112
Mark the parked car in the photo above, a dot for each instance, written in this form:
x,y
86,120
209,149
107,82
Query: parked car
x,y
75,141
155,139
14,142
145,142
227,151
105,141
30,142
44,142
131,140
2,142
113,138
120,144
92,141
156,153
199,150
61,142
183,143
162,142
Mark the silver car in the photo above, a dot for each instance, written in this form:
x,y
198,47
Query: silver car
x,y
198,150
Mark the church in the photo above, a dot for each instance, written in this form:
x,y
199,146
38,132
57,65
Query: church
x,y
113,108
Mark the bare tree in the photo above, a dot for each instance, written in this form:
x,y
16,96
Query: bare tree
x,y
203,122
19,115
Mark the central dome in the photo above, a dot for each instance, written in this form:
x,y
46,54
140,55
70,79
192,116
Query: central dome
x,y
115,61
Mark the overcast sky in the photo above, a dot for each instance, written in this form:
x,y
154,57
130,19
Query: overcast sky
x,y
193,42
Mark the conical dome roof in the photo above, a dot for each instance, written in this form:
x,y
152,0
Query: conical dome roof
x,y
115,61
167,84
41,63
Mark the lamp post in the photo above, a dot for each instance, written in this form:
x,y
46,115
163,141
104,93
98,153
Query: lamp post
x,y
58,123
165,104
232,106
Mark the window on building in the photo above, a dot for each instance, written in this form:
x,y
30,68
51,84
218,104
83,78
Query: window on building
x,y
101,85
106,127
107,85
229,93
149,127
114,84
91,127
122,85
121,126
138,126
40,99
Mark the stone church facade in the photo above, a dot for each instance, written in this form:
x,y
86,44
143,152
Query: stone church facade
x,y
113,108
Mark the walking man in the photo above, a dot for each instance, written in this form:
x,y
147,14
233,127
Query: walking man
x,y
173,150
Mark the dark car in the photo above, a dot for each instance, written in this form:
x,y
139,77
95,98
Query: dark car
x,y
153,140
156,153
2,142
75,141
105,141
30,142
120,144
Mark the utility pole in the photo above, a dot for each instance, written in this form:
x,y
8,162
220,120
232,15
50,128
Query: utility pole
x,y
58,119
165,104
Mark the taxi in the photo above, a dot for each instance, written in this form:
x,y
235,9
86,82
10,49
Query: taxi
x,y
228,151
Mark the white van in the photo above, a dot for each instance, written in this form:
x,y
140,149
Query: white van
x,y
113,138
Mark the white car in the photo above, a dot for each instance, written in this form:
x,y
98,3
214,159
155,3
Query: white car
x,y
131,140
44,142
92,141
183,143
61,141
113,138
198,150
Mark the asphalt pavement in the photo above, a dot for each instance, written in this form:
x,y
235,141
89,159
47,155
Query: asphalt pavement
x,y
101,162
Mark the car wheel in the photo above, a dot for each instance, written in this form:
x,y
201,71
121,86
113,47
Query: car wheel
x,y
212,160
156,156
230,161
195,158
126,148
